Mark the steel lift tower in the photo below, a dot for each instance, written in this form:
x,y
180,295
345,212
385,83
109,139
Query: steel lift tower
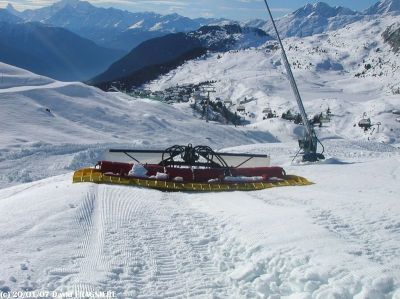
x,y
309,144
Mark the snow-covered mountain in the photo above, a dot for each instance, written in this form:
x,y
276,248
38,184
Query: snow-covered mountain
x,y
229,37
8,17
175,47
124,30
76,14
10,8
352,70
384,7
392,36
113,28
320,17
311,19
316,18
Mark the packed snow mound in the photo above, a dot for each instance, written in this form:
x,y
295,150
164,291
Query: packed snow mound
x,y
138,170
70,125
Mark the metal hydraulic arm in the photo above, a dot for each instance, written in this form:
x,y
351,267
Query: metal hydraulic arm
x,y
310,141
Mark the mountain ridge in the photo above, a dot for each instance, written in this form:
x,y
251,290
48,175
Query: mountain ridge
x,y
111,27
384,7
8,17
175,45
321,17
52,51
124,30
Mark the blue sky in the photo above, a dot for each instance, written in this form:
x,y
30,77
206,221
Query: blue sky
x,y
233,9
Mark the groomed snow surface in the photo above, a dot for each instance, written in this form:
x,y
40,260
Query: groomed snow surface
x,y
338,238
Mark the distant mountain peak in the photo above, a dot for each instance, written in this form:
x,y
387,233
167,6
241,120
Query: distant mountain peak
x,y
9,16
312,18
10,8
321,5
74,4
111,27
70,2
384,7
322,9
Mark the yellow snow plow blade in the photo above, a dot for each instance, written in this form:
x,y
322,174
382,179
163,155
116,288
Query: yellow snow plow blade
x,y
90,175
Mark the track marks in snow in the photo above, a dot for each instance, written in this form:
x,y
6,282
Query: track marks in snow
x,y
141,244
257,271
281,201
375,238
360,150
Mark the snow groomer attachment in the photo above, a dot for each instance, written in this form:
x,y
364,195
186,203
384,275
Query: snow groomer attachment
x,y
188,168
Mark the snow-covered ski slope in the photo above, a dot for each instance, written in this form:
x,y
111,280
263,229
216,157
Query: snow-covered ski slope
x,y
70,125
338,238
325,67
